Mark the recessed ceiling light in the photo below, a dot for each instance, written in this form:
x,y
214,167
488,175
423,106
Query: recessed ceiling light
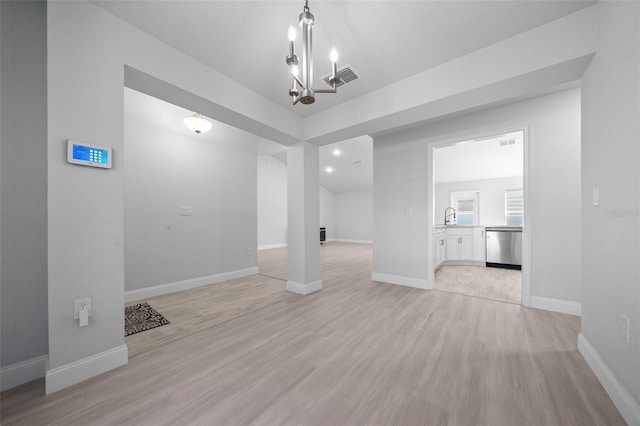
x,y
336,152
328,169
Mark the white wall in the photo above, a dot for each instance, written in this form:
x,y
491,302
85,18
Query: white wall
x,y
530,62
400,225
400,182
353,216
272,202
23,229
327,212
611,231
491,197
168,166
88,50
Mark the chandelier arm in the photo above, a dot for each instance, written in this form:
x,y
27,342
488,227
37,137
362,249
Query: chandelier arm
x,y
298,81
334,90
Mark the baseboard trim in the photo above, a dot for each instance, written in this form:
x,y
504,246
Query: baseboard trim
x,y
463,263
272,246
304,289
347,240
86,368
626,404
23,372
401,280
159,290
556,305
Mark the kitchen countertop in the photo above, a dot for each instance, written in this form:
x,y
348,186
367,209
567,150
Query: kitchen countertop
x,y
506,227
515,228
458,226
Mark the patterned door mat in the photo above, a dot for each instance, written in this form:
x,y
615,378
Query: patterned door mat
x,y
141,317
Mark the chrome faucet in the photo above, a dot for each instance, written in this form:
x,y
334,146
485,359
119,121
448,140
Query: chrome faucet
x,y
447,216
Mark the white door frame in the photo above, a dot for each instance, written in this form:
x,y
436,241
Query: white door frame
x,y
485,133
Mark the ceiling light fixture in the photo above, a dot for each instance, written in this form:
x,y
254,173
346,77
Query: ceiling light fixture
x,y
302,88
336,152
328,169
197,123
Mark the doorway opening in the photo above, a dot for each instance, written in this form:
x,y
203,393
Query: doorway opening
x,y
479,217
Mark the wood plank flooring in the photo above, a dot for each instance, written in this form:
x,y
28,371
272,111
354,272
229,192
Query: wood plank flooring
x,y
490,283
355,353
197,309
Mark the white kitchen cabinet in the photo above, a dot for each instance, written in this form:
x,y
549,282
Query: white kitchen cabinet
x,y
459,244
479,244
440,245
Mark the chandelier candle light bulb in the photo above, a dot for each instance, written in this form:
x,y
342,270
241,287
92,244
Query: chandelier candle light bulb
x,y
294,81
334,59
292,37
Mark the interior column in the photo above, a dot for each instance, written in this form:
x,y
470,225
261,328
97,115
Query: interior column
x,y
303,210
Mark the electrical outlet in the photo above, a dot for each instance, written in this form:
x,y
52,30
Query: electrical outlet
x,y
78,303
249,251
624,327
187,211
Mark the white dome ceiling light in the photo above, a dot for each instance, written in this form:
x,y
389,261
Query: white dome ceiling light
x,y
197,124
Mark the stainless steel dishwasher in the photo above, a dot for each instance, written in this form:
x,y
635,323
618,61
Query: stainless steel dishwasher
x,y
504,247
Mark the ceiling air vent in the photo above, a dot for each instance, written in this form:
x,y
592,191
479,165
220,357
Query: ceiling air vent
x,y
507,142
346,74
358,161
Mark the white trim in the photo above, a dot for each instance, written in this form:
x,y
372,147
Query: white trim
x,y
400,280
304,289
488,131
86,368
626,404
463,263
272,246
527,186
556,305
159,290
23,372
346,240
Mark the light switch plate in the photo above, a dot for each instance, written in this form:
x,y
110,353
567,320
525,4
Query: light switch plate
x,y
78,303
596,196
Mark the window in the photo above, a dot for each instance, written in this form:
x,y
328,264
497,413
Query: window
x,y
514,207
466,205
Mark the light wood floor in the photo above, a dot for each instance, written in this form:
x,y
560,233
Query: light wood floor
x,y
356,353
189,312
490,283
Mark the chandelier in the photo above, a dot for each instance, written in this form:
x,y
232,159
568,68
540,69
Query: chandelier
x,y
302,87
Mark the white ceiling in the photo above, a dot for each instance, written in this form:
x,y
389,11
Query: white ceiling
x,y
385,41
479,159
352,167
169,117
346,175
